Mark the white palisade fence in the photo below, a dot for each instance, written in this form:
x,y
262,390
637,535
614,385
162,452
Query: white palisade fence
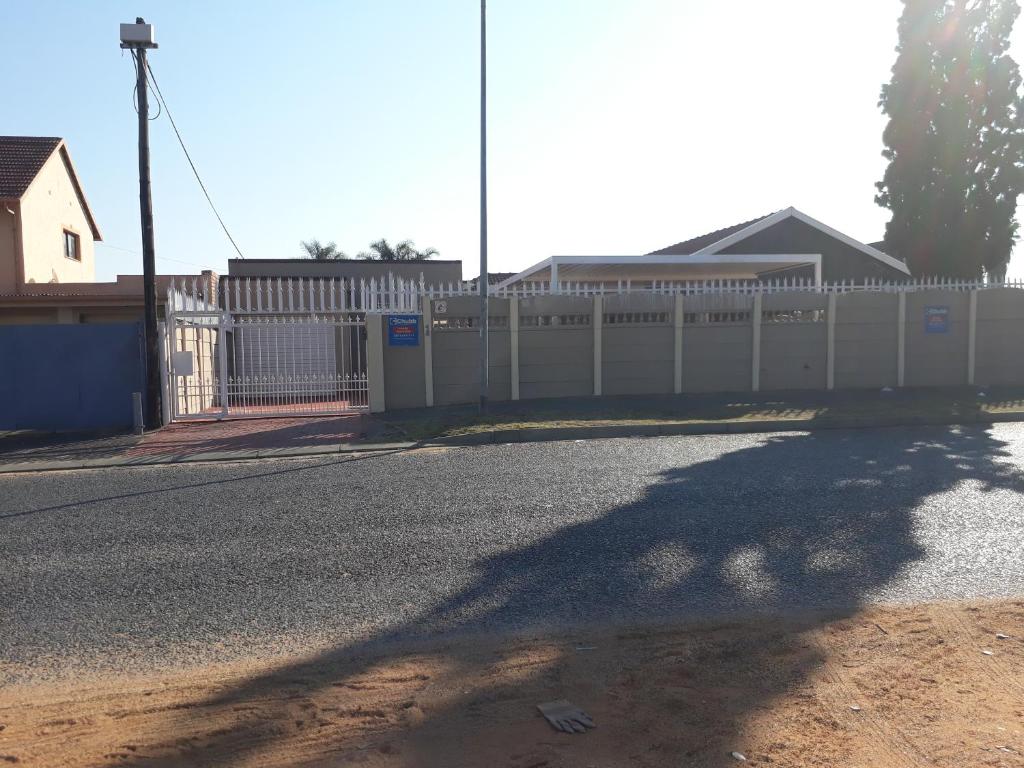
x,y
300,296
307,296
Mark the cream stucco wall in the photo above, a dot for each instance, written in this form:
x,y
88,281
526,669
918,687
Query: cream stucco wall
x,y
48,207
8,247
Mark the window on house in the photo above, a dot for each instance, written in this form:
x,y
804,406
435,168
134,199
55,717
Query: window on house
x,y
71,250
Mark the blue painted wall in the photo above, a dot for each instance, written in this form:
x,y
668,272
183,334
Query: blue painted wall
x,y
68,377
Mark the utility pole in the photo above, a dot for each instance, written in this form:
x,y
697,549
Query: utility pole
x,y
482,282
138,37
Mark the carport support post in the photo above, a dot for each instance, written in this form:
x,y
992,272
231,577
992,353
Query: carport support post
x,y
755,363
972,336
596,322
375,362
428,350
901,338
513,330
830,346
677,356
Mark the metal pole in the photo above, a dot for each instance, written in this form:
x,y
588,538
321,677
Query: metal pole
x,y
153,405
482,281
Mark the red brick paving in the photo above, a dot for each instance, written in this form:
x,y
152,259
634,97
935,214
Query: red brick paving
x,y
251,434
189,438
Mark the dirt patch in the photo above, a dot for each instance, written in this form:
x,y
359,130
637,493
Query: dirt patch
x,y
883,687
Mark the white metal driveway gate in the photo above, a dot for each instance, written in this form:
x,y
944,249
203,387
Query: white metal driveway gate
x,y
223,367
273,346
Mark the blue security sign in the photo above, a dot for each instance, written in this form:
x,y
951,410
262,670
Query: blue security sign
x,y
936,319
403,330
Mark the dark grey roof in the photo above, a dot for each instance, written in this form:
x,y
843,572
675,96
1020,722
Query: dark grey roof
x,y
703,241
880,246
21,158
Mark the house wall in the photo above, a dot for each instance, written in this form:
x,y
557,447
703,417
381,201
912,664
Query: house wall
x,y
48,207
43,312
8,247
107,314
28,316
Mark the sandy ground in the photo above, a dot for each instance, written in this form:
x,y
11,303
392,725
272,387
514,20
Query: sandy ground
x,y
780,692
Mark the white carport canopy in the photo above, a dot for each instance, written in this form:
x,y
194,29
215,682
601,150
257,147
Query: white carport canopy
x,y
670,267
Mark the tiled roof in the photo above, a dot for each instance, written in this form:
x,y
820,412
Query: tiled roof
x,y
21,158
126,287
493,278
703,241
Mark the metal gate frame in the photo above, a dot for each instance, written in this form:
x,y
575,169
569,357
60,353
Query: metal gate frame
x,y
204,379
213,374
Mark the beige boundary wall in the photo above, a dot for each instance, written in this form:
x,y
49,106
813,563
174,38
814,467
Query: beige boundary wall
x,y
636,344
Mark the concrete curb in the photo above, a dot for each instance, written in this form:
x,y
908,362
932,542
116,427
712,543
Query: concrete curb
x,y
58,465
527,435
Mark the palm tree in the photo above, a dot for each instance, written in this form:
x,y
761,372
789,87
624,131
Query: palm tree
x,y
382,250
329,252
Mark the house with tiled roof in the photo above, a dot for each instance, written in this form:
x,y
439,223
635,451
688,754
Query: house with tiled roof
x,y
47,238
47,229
784,244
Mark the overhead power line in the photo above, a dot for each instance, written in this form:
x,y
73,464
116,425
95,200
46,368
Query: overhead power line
x,y
170,117
158,258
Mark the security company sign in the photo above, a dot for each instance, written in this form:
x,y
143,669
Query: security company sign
x,y
403,330
936,319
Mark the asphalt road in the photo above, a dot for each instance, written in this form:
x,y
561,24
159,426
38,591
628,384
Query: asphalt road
x,y
178,564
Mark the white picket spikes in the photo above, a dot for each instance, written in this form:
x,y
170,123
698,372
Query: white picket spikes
x,y
304,296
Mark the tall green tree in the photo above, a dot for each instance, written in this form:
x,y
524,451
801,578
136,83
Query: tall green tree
x,y
382,250
316,250
955,139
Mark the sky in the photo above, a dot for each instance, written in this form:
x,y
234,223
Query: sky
x,y
615,126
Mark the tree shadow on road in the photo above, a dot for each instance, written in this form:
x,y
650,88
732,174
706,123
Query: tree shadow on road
x,y
799,524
